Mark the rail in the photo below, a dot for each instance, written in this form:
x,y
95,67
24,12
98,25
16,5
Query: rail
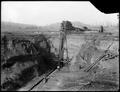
x,y
42,79
98,59
45,77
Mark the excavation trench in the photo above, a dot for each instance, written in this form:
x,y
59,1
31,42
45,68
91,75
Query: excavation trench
x,y
70,77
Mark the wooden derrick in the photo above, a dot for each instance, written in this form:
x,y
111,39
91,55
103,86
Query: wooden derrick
x,y
63,32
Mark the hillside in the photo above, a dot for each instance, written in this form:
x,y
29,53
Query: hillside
x,y
56,26
17,27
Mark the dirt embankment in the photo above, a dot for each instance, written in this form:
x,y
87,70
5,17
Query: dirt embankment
x,y
105,74
23,59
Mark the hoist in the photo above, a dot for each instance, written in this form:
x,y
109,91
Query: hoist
x,y
63,40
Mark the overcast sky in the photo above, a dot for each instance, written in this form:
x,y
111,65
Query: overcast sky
x,y
47,12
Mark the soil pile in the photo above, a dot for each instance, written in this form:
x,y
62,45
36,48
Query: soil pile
x,y
23,59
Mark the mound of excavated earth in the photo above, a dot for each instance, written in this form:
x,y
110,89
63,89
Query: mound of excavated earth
x,y
23,59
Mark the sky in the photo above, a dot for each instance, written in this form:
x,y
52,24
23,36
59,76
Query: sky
x,y
47,12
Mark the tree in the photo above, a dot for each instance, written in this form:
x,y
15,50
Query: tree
x,y
67,25
85,28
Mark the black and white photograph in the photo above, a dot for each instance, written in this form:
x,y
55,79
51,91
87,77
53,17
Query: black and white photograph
x,y
59,46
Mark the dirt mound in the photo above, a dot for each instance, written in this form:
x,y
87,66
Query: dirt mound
x,y
23,59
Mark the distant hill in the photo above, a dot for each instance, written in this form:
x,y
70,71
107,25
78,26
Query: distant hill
x,y
56,26
52,27
18,27
81,25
